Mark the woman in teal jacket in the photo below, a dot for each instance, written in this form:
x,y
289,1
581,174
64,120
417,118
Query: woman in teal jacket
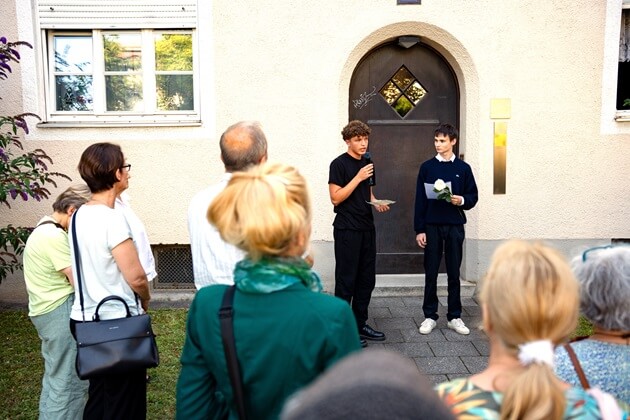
x,y
286,332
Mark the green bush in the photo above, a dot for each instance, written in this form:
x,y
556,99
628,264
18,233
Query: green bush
x,y
23,174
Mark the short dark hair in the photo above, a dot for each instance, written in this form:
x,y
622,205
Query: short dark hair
x,y
98,166
75,196
447,130
240,158
355,128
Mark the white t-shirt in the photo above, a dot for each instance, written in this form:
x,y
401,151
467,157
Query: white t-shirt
x,y
213,258
139,235
100,229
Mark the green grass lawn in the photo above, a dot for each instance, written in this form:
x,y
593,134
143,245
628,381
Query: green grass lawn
x,y
21,364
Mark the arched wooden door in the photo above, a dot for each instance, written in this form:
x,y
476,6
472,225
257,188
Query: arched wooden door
x,y
402,94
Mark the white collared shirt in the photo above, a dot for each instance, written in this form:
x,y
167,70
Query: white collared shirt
x,y
441,159
213,258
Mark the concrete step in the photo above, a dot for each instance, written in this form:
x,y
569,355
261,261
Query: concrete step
x,y
413,285
386,285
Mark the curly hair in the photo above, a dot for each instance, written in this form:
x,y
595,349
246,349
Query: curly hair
x,y
355,128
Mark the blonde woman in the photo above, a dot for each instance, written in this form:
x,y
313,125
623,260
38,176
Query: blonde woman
x,y
286,332
530,305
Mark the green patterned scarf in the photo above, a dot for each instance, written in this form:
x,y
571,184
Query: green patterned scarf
x,y
271,274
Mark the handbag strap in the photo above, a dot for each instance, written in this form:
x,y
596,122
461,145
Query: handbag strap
x,y
577,366
50,222
77,259
226,314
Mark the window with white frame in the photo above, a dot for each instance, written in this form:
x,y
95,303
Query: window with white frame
x,y
132,65
623,69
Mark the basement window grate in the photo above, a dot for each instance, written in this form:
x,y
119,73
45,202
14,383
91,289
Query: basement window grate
x,y
173,264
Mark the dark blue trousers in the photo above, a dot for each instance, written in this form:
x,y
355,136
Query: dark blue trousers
x,y
355,269
447,240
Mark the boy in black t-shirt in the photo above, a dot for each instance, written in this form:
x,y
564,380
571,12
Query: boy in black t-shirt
x,y
354,233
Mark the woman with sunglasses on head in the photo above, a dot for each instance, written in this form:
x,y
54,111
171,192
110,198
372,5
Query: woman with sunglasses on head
x,y
286,333
604,357
529,301
109,266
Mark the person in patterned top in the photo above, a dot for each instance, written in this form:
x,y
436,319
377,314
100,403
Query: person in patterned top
x,y
530,305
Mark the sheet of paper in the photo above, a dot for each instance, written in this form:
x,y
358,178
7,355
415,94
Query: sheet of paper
x,y
432,195
380,202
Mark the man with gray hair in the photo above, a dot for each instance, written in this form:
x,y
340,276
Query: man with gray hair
x,y
242,145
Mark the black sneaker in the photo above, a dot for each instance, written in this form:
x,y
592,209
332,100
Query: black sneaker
x,y
369,333
363,343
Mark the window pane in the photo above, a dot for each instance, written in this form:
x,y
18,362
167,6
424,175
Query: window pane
x,y
403,106
124,93
416,92
175,92
123,51
403,78
173,52
73,54
390,92
623,69
73,93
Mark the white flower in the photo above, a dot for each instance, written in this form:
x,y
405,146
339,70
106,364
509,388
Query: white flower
x,y
439,185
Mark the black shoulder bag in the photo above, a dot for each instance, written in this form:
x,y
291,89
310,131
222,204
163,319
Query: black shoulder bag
x,y
229,348
113,346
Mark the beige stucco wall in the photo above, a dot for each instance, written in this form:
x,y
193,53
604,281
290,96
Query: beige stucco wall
x,y
289,65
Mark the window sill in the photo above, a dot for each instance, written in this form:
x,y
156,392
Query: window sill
x,y
122,124
622,116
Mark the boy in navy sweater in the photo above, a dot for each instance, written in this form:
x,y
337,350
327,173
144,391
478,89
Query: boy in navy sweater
x,y
439,225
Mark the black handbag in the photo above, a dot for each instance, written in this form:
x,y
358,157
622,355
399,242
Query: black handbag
x,y
113,346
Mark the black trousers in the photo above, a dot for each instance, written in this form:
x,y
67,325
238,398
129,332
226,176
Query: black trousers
x,y
355,269
447,239
112,397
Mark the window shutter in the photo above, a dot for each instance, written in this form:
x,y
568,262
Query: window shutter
x,y
116,14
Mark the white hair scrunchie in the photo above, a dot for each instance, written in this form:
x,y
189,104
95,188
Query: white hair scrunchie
x,y
540,351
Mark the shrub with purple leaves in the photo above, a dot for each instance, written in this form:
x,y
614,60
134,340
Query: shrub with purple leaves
x,y
23,174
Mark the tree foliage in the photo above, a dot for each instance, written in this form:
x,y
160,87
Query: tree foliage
x,y
23,174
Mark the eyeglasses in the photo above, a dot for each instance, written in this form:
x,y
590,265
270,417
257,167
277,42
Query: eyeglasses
x,y
127,167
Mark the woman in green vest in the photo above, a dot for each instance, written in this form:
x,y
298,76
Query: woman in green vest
x,y
286,332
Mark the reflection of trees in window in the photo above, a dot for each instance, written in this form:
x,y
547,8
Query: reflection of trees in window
x,y
623,70
122,52
174,65
73,92
123,66
123,93
403,92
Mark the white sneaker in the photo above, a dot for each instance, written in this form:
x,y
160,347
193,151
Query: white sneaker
x,y
458,325
427,326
